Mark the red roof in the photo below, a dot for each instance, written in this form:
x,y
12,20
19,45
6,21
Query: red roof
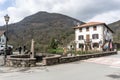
x,y
92,24
89,24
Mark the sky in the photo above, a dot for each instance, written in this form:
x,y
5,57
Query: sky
x,y
107,11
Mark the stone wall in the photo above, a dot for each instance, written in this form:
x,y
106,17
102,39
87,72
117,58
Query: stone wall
x,y
58,59
51,60
20,61
26,61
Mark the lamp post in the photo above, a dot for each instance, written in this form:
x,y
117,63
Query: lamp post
x,y
6,17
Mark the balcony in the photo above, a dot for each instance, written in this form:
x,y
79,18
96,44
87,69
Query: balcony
x,y
87,40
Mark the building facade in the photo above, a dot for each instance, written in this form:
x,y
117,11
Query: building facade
x,y
93,36
2,38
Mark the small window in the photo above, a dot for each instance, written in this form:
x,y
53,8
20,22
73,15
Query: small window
x,y
2,40
80,29
107,31
81,45
95,36
94,28
87,29
81,37
95,45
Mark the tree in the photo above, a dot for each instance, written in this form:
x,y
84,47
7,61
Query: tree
x,y
54,43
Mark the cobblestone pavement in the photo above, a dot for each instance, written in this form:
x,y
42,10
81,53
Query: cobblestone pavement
x,y
103,68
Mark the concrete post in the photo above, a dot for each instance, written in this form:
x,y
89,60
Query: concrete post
x,y
32,49
64,51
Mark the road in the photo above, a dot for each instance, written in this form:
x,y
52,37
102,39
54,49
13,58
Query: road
x,y
103,68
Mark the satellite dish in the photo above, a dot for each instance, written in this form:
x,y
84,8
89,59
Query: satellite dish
x,y
74,22
78,24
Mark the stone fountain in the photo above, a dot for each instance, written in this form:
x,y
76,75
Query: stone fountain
x,y
22,60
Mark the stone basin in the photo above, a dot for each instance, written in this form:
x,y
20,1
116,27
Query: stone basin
x,y
20,61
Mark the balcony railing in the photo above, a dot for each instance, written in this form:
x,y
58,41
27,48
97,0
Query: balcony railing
x,y
87,40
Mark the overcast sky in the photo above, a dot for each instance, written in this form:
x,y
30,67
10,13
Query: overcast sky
x,y
107,11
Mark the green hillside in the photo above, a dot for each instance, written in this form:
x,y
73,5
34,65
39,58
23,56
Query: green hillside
x,y
42,27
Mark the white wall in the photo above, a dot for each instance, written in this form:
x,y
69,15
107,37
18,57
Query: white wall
x,y
99,31
3,39
107,35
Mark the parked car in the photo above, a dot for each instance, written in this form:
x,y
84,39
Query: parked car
x,y
9,49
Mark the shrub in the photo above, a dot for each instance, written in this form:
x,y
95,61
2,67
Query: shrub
x,y
84,52
55,51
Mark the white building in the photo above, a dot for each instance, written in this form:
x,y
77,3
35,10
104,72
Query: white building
x,y
2,38
93,36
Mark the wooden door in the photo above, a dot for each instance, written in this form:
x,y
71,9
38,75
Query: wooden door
x,y
87,37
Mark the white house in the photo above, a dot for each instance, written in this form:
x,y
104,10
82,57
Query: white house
x,y
2,38
93,36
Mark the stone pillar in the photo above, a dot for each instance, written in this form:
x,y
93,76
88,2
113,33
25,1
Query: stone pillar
x,y
32,49
64,51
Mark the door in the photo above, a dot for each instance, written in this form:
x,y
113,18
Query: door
x,y
87,37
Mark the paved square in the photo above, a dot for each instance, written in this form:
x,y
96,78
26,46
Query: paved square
x,y
102,68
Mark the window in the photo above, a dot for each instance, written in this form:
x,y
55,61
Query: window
x,y
81,45
94,28
81,37
95,36
2,40
80,29
107,31
87,29
95,45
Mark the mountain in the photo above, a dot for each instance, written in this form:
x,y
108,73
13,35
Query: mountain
x,y
116,28
42,27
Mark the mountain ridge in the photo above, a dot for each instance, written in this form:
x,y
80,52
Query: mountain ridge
x,y
42,26
115,26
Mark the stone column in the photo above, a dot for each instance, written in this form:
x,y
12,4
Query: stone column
x,y
32,49
64,51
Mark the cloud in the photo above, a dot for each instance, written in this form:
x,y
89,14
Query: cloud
x,y
2,1
84,10
108,17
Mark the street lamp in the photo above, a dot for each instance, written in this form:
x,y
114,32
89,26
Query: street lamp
x,y
6,17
